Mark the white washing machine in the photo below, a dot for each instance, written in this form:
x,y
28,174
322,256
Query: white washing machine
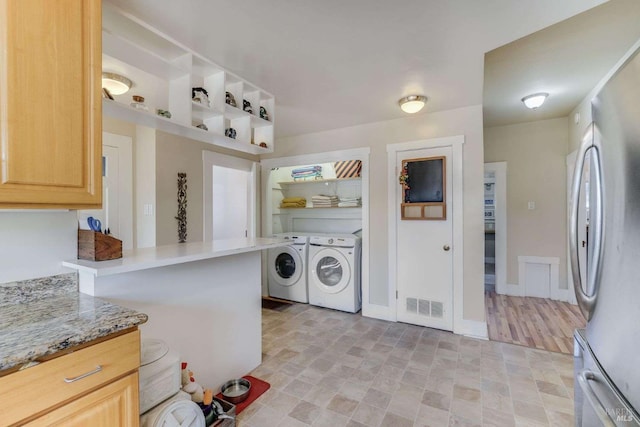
x,y
287,270
335,272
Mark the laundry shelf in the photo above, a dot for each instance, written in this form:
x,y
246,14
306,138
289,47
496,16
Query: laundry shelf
x,y
320,181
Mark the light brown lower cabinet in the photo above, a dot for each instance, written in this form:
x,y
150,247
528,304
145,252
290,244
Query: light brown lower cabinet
x,y
94,386
115,404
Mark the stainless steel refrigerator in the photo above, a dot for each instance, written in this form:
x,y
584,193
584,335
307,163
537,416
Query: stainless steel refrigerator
x,y
607,351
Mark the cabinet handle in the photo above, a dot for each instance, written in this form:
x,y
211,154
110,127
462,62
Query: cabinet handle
x,y
79,377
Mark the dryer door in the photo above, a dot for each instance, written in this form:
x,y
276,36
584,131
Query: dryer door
x,y
285,265
330,271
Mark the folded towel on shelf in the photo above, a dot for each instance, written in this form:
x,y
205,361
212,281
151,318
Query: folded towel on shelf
x,y
292,205
349,204
324,201
293,202
307,172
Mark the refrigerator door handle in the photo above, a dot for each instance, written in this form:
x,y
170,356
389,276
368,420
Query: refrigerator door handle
x,y
583,379
586,301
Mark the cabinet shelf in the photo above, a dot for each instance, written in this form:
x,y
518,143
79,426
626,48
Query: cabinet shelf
x,y
145,118
319,181
165,71
202,112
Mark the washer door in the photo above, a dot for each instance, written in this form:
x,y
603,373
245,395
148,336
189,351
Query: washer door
x,y
331,271
285,266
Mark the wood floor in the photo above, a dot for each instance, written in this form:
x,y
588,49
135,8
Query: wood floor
x,y
533,322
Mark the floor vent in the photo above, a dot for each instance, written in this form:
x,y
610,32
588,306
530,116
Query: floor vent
x,y
437,309
412,305
425,307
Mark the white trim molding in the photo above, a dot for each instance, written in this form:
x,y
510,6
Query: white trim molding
x,y
460,325
500,196
362,154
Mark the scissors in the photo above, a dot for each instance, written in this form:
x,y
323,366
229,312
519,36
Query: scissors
x,y
94,224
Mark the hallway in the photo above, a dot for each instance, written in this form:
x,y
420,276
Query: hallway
x,y
533,322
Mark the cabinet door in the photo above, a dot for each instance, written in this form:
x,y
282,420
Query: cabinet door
x,y
50,103
115,404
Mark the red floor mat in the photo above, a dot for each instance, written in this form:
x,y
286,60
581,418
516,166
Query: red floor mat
x,y
258,387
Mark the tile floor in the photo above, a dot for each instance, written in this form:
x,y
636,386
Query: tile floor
x,y
329,368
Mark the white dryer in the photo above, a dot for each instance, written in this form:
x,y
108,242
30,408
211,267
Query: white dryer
x,y
287,271
335,272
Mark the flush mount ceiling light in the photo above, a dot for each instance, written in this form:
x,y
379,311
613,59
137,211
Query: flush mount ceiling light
x,y
535,100
115,83
412,103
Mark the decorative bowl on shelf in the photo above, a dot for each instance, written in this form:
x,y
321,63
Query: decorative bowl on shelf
x,y
246,106
230,99
230,132
263,113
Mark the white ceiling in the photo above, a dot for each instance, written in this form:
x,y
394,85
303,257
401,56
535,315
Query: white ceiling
x,y
336,63
565,60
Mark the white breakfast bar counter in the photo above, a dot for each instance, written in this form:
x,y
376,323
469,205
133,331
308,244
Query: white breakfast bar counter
x,y
202,298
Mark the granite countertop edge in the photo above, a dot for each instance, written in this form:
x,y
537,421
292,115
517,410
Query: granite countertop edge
x,y
41,317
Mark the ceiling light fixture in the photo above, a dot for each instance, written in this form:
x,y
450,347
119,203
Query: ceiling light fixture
x,y
115,83
535,100
412,103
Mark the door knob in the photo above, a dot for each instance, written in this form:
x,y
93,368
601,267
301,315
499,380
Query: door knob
x,y
446,247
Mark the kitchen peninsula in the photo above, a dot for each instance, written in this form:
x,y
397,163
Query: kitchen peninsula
x,y
202,298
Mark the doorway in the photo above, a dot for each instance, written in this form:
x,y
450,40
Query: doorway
x,y
230,197
116,213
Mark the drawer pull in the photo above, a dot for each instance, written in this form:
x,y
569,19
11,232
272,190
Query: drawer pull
x,y
79,377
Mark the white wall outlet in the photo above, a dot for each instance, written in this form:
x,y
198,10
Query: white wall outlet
x,y
531,205
147,209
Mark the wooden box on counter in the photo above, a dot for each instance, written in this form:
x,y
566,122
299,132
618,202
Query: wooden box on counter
x,y
96,246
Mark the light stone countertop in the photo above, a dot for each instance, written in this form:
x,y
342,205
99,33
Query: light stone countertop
x,y
41,317
161,256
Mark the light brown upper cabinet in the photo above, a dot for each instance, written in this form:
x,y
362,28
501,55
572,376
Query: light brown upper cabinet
x,y
50,103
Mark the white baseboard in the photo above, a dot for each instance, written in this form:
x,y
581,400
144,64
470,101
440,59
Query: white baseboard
x,y
514,290
380,312
472,329
518,291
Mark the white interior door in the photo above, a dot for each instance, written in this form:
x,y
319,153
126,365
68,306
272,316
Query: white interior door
x,y
230,202
230,191
424,256
117,190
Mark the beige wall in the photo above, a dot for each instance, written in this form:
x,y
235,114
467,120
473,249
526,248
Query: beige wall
x,y
173,154
536,154
464,121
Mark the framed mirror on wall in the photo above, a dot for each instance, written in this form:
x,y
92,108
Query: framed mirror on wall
x,y
423,189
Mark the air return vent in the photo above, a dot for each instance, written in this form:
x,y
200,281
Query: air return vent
x,y
425,307
437,309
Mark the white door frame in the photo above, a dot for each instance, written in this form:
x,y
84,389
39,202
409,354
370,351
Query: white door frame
x,y
455,142
500,171
362,154
210,159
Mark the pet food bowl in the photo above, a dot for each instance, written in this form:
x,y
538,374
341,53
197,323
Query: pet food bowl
x,y
236,391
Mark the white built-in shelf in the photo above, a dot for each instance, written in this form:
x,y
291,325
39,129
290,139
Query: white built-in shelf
x,y
146,118
164,71
319,181
202,112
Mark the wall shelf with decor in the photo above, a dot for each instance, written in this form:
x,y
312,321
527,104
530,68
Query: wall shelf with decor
x,y
204,99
